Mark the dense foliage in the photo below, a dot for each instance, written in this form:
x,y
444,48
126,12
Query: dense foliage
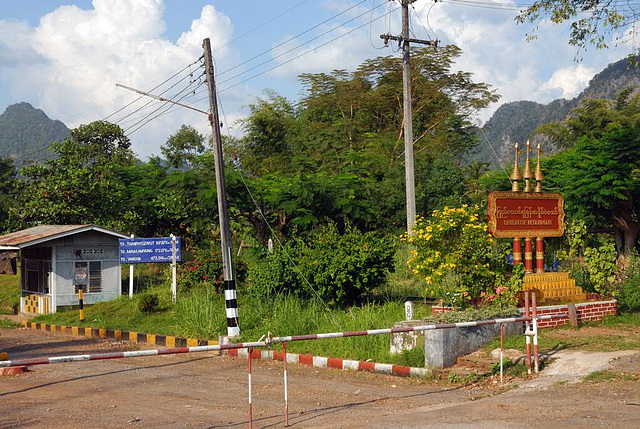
x,y
455,254
339,268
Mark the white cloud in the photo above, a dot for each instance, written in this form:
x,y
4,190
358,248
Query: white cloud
x,y
71,61
570,80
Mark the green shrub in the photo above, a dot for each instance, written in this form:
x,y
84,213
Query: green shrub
x,y
204,268
344,267
455,254
341,268
628,291
274,273
148,302
602,266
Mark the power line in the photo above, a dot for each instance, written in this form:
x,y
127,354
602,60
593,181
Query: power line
x,y
155,87
293,38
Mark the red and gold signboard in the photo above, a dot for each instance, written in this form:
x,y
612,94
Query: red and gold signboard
x,y
519,214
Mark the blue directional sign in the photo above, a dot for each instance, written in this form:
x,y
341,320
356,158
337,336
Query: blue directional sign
x,y
141,250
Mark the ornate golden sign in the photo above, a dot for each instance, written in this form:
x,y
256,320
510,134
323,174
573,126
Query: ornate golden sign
x,y
526,215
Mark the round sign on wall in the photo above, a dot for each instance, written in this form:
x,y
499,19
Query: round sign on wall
x,y
80,276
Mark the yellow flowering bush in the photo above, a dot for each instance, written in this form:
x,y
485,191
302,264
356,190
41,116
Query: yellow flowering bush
x,y
455,254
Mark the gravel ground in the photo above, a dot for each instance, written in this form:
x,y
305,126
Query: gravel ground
x,y
202,390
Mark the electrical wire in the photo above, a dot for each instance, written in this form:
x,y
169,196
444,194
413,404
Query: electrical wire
x,y
291,39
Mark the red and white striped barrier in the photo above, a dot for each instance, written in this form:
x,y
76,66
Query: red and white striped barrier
x,y
327,362
267,342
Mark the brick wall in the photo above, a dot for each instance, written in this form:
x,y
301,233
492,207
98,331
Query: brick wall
x,y
586,312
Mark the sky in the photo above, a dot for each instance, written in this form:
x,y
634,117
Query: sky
x,y
65,57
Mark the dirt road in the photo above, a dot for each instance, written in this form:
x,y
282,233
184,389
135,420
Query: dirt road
x,y
206,391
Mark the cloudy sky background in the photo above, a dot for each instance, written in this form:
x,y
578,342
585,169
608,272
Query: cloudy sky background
x,y
65,56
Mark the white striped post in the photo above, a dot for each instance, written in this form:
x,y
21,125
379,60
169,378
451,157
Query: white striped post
x,y
534,322
527,331
249,378
501,348
286,391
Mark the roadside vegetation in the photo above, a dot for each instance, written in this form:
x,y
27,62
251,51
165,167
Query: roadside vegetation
x,y
9,293
322,179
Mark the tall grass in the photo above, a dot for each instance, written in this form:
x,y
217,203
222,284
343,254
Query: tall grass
x,y
9,293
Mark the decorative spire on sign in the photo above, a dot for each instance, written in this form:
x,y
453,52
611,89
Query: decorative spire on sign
x,y
516,176
528,174
539,175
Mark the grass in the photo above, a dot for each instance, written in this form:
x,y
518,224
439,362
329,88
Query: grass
x,y
604,376
8,324
200,314
9,293
614,333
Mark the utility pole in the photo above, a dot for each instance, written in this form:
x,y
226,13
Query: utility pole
x,y
404,39
231,303
225,233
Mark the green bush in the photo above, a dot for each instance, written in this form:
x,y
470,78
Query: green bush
x,y
628,291
274,273
204,268
341,268
602,266
148,303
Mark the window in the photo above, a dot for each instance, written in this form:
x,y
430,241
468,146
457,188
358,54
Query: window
x,y
37,275
95,275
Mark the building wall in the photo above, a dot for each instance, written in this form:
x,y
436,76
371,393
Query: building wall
x,y
87,246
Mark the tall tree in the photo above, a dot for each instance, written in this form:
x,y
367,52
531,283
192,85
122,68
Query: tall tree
x,y
183,147
80,183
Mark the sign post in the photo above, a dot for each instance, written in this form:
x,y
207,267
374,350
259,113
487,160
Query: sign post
x,y
80,279
131,278
174,269
148,250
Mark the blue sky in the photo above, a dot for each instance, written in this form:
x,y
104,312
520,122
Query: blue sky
x,y
65,56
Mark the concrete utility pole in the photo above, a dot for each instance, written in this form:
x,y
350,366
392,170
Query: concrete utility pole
x,y
225,233
408,122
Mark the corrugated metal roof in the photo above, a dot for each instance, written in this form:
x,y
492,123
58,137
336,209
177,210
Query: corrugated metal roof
x,y
41,233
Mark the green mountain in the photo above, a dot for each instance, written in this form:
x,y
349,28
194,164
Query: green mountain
x,y
25,133
515,121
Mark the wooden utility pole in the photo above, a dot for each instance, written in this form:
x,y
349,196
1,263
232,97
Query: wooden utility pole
x,y
225,233
404,39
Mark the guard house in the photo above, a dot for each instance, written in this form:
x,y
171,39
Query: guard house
x,y
49,254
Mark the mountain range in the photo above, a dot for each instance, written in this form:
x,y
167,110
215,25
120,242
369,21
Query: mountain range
x,y
515,121
26,132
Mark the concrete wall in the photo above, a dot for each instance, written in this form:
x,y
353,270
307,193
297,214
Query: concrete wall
x,y
86,246
443,346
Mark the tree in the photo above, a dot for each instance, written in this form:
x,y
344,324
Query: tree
x,y
270,128
81,183
600,179
8,184
181,148
591,20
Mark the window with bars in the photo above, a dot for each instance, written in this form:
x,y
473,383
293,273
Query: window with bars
x,y
95,275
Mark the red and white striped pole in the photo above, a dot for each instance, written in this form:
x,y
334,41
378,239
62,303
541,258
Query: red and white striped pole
x,y
526,330
286,391
501,348
249,378
534,321
43,360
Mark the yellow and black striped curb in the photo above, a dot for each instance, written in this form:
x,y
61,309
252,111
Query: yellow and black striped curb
x,y
115,334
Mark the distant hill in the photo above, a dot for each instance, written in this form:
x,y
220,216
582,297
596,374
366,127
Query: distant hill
x,y
516,121
25,131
